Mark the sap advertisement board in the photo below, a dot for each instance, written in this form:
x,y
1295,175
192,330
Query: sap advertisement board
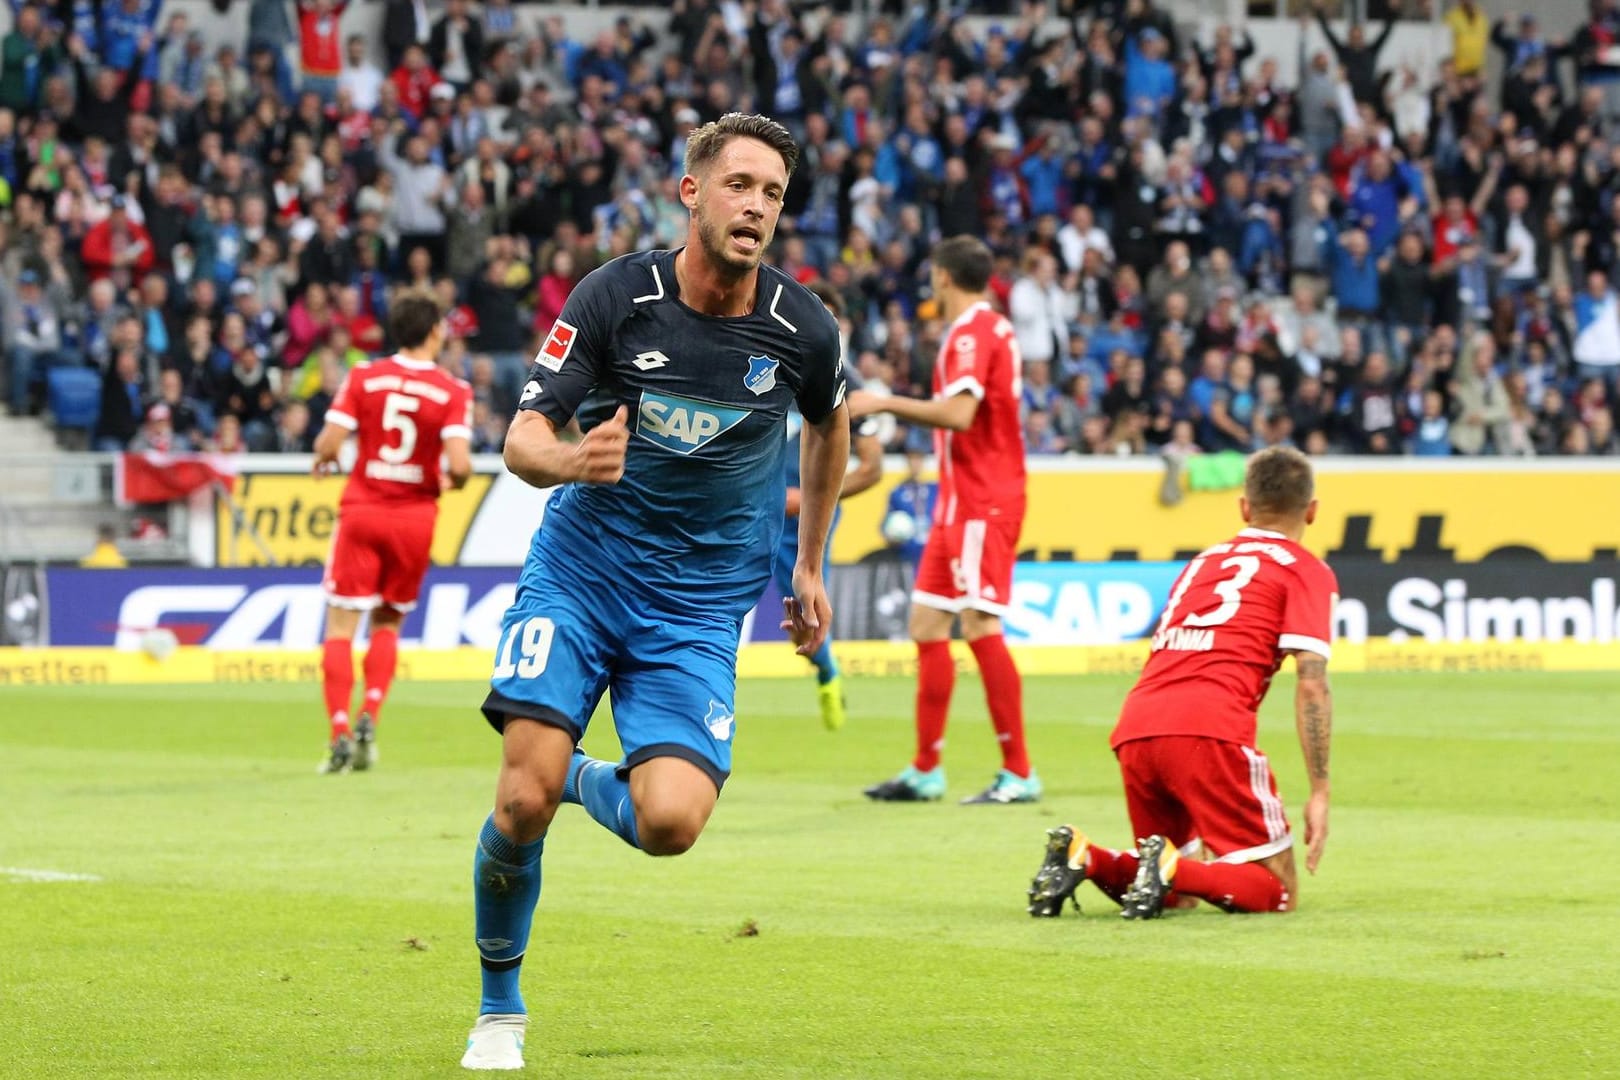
x,y
1431,600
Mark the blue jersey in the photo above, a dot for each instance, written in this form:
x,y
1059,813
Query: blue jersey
x,y
916,499
121,31
696,517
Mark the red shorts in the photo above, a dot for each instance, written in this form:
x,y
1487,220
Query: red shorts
x,y
379,556
1188,788
968,565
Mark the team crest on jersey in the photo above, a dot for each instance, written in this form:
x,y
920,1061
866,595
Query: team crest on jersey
x,y
559,343
684,425
761,377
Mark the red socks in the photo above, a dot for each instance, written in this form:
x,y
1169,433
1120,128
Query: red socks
x,y
1111,871
936,678
1004,691
1246,887
337,665
1233,886
381,657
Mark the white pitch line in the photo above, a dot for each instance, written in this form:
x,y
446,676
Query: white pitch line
x,y
28,873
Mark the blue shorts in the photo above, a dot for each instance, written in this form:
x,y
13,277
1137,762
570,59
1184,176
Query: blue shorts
x,y
787,553
671,677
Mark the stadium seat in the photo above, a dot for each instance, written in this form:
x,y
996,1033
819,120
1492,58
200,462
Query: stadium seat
x,y
74,397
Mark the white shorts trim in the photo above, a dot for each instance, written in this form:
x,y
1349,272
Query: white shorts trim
x,y
937,602
960,603
366,603
1255,854
341,419
972,563
354,603
1306,644
1270,806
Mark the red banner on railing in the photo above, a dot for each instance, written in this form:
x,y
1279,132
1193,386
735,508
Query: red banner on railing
x,y
154,477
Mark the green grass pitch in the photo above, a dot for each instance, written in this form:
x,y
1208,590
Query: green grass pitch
x,y
253,919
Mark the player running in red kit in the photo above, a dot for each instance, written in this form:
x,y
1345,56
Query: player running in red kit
x,y
967,564
1186,736
407,412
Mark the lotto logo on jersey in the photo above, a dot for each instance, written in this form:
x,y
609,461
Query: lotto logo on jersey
x,y
681,424
559,343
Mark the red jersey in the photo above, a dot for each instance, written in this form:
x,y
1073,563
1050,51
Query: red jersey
x,y
320,44
415,89
1232,613
981,470
402,410
1450,236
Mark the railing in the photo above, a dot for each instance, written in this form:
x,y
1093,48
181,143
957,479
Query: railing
x,y
52,507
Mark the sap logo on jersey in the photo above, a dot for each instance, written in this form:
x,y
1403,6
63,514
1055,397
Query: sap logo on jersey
x,y
683,424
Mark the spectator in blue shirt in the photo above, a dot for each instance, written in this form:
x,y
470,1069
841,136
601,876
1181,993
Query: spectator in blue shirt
x,y
1202,391
914,497
1043,174
1353,273
1432,437
922,162
1375,201
1150,80
123,24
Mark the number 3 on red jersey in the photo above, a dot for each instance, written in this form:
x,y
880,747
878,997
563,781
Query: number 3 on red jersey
x,y
1280,595
1230,591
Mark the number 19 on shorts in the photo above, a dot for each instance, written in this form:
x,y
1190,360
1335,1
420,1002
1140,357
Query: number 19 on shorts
x,y
525,649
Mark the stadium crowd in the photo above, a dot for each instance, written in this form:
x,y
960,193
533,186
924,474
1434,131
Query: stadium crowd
x,y
1195,253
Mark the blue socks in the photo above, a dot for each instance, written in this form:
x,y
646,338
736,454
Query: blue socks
x,y
826,666
506,879
506,887
597,787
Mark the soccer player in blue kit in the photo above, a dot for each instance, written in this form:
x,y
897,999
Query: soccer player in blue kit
x,y
682,366
866,471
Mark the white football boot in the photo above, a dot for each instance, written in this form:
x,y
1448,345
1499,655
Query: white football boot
x,y
496,1042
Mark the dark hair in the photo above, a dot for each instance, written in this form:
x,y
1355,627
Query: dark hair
x,y
705,143
966,261
1279,481
411,320
828,296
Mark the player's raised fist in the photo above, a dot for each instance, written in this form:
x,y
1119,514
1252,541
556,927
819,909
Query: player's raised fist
x,y
599,457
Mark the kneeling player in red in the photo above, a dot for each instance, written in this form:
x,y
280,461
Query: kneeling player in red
x,y
1194,780
407,412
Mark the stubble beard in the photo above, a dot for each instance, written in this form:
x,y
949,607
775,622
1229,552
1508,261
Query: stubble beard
x,y
719,253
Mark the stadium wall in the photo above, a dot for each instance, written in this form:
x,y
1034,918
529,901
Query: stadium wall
x,y
1459,566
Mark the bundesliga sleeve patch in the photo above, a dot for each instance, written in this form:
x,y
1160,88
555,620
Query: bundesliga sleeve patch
x,y
559,343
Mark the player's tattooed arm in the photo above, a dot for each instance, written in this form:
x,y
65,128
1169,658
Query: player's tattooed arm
x,y
1313,707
